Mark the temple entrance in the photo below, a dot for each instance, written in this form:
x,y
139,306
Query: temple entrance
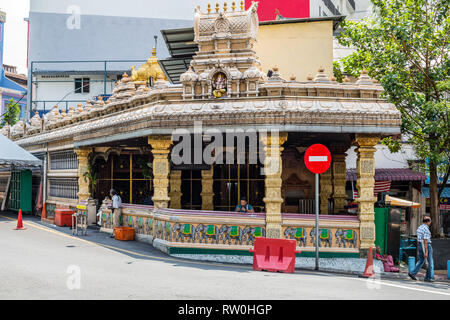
x,y
191,187
128,173
233,181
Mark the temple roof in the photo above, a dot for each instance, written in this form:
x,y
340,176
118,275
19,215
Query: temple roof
x,y
224,87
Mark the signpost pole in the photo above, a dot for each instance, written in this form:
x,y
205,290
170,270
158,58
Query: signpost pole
x,y
317,160
317,221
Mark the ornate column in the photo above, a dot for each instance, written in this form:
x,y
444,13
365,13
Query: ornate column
x,y
207,189
326,190
160,149
365,171
272,171
339,178
175,189
83,165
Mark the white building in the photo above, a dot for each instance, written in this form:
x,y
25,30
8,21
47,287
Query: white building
x,y
79,48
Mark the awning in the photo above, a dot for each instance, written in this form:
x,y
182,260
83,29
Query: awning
x,y
391,175
13,155
400,202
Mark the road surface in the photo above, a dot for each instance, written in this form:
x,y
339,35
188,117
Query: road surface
x,y
42,262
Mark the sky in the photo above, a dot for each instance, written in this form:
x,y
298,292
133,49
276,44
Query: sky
x,y
15,47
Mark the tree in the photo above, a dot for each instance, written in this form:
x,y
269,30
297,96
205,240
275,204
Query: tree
x,y
405,46
11,114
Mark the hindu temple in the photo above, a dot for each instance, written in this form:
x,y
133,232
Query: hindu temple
x,y
131,143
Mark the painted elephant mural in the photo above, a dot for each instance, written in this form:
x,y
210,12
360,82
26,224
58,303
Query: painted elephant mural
x,y
205,232
159,230
227,233
149,225
130,221
139,225
184,231
249,234
324,236
299,234
346,237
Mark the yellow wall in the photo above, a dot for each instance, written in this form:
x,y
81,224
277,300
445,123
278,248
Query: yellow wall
x,y
296,48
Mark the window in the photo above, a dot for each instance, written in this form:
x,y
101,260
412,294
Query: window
x,y
64,188
233,181
191,188
82,85
63,160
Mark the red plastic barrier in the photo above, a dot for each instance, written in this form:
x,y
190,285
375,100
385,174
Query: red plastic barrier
x,y
274,255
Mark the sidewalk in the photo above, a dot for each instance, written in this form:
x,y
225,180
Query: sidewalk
x,y
439,275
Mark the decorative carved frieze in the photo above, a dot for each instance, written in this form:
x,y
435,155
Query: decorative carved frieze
x,y
160,149
365,169
273,181
83,166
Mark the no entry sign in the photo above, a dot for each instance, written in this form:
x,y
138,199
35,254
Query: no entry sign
x,y
317,158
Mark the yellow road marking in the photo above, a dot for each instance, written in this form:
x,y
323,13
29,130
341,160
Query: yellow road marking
x,y
34,225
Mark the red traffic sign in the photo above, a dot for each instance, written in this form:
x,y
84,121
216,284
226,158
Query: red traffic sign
x,y
317,158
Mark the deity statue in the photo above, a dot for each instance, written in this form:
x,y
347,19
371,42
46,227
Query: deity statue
x,y
219,85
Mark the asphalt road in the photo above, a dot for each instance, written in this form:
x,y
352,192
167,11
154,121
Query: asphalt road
x,y
44,263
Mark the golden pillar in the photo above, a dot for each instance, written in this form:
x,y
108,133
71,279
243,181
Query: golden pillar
x,y
160,149
339,178
365,171
207,189
175,189
272,171
326,190
83,165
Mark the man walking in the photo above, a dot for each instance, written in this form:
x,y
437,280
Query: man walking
x,y
425,251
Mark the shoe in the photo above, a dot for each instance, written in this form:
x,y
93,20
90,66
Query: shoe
x,y
412,276
428,280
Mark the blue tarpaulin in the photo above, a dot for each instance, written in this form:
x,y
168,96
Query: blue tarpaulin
x,y
426,192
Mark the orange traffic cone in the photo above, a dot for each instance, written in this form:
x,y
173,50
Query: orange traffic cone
x,y
368,272
19,222
44,212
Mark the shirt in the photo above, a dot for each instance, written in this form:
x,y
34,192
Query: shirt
x,y
423,232
117,202
245,209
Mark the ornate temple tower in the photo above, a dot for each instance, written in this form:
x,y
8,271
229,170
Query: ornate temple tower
x,y
226,64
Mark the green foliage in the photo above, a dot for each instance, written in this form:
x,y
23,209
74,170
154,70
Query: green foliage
x,y
147,171
11,114
405,46
337,72
91,174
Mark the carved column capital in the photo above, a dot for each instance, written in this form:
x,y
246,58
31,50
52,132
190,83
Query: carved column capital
x,y
366,140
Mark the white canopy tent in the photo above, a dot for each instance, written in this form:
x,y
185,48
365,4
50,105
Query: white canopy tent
x,y
11,155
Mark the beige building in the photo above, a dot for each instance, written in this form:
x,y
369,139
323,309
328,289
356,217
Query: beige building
x,y
297,46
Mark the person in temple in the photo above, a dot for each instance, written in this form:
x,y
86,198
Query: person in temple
x,y
244,207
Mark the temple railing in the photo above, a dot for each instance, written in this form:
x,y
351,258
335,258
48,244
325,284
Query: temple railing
x,y
231,230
